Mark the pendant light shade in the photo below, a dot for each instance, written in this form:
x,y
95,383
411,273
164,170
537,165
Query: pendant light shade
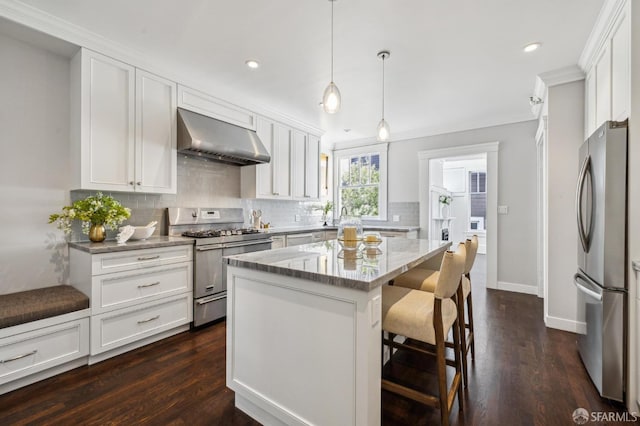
x,y
384,132
331,99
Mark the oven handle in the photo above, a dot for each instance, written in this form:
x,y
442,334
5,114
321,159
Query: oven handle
x,y
209,247
210,299
248,243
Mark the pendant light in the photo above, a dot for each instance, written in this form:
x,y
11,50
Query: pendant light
x,y
383,127
331,98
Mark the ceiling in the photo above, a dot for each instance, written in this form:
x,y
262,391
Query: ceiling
x,y
454,64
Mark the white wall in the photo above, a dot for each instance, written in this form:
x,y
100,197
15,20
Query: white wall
x,y
34,165
516,189
565,130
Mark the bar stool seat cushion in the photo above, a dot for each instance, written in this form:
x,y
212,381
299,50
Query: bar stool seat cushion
x,y
409,313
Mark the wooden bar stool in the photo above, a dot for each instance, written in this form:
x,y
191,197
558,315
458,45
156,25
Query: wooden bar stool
x,y
426,279
428,317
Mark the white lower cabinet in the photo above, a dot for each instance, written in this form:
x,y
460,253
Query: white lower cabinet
x,y
136,296
29,352
117,328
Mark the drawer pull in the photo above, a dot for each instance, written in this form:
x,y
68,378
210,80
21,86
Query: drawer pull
x,y
148,285
149,257
210,287
15,358
206,300
149,319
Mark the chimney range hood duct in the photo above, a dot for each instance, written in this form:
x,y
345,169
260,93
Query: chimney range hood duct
x,y
206,137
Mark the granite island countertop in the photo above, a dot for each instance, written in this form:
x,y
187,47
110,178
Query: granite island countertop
x,y
110,246
311,228
326,262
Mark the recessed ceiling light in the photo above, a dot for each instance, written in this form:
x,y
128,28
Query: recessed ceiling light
x,y
251,63
531,47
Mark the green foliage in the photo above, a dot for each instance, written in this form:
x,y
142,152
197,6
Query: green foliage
x,y
326,208
359,191
95,209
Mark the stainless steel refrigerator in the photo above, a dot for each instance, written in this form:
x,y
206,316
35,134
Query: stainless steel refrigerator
x,y
601,207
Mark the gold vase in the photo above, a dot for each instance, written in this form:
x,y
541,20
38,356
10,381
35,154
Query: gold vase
x,y
97,233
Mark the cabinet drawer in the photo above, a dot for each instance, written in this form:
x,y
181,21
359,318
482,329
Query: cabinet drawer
x,y
136,259
27,353
118,328
123,289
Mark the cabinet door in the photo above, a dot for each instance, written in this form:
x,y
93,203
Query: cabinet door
x,y
156,158
590,110
603,86
298,166
264,172
202,103
312,169
107,111
620,61
282,161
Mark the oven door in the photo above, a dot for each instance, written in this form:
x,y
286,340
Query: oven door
x,y
208,278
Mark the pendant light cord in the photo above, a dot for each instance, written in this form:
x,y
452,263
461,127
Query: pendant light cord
x,y
332,1
383,57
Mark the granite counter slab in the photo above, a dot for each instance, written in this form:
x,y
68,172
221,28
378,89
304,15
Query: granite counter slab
x,y
112,246
312,228
325,262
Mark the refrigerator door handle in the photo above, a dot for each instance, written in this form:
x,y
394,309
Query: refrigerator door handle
x,y
586,168
578,280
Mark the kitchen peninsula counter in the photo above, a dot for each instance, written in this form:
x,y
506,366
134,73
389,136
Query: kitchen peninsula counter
x,y
304,330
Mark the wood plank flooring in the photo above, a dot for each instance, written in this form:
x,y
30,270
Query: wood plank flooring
x,y
524,374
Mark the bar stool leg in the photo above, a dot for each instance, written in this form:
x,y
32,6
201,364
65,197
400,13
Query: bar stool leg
x,y
472,339
459,353
441,363
462,334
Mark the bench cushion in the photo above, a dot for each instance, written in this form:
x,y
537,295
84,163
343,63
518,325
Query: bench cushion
x,y
31,305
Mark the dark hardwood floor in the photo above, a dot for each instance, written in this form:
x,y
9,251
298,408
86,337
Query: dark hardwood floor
x,y
524,374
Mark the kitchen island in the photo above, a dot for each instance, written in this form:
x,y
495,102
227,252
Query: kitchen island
x,y
304,329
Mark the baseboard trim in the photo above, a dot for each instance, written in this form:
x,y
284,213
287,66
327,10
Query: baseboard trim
x,y
565,324
517,288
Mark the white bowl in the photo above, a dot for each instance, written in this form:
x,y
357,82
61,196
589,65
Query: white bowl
x,y
142,232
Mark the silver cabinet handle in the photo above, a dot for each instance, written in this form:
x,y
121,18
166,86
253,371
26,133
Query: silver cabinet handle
x,y
149,319
210,287
15,358
138,183
149,257
131,182
148,285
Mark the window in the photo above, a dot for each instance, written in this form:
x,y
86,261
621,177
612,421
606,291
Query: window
x,y
361,175
477,200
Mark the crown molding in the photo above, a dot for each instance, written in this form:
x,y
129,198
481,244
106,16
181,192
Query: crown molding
x,y
561,76
600,31
53,26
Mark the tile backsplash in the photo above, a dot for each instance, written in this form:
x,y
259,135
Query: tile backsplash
x,y
204,183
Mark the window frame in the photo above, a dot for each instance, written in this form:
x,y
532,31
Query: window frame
x,y
382,150
470,193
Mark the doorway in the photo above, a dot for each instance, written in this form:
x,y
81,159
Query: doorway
x,y
431,220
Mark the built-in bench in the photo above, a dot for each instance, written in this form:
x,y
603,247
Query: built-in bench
x,y
43,332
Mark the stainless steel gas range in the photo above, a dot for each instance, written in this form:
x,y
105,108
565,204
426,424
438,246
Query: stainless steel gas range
x,y
217,232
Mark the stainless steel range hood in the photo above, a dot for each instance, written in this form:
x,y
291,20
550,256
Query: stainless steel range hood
x,y
202,136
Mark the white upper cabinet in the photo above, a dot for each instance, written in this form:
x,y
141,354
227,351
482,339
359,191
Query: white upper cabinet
x,y
270,180
156,161
298,147
312,168
620,63
123,127
603,86
608,81
281,159
204,104
305,165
